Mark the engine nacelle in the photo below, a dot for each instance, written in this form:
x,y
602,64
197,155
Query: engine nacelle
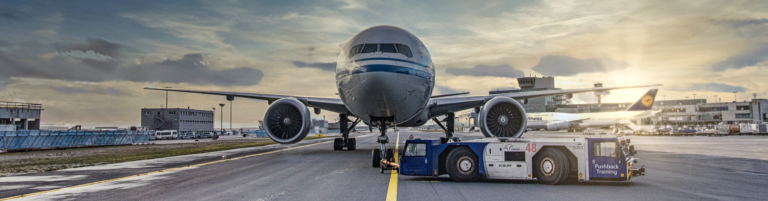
x,y
287,121
558,126
502,117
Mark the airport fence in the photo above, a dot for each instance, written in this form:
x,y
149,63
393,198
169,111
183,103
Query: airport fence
x,y
43,139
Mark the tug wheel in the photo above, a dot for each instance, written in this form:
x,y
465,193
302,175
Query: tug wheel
x,y
551,167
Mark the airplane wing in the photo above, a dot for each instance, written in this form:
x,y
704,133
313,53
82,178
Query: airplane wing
x,y
330,104
441,106
577,120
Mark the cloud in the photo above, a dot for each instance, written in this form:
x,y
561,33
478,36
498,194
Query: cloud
x,y
565,66
79,90
755,53
96,45
484,70
717,87
189,69
445,90
13,14
331,66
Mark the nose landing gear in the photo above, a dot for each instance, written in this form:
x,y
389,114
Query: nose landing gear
x,y
383,159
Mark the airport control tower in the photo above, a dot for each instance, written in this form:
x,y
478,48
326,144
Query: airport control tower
x,y
25,116
540,104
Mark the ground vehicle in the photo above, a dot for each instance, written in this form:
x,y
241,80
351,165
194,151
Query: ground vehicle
x,y
187,136
166,134
687,131
548,160
205,135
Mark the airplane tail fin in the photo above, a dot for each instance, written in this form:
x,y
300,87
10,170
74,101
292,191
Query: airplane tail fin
x,y
645,102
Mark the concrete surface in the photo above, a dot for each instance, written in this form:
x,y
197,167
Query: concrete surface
x,y
678,168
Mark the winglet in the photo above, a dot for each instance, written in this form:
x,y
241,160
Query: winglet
x,y
645,102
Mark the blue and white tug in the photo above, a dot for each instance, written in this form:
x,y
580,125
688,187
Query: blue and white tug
x,y
548,160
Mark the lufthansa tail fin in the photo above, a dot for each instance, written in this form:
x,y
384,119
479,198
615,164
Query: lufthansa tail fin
x,y
645,102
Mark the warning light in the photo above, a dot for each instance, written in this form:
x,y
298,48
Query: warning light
x,y
622,174
581,176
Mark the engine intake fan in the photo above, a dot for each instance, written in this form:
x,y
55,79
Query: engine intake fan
x,y
502,117
287,121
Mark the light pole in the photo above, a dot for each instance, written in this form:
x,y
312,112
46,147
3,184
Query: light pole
x,y
716,99
166,97
214,115
734,96
230,98
222,118
694,96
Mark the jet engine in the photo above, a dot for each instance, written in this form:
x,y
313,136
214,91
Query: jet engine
x,y
502,117
287,121
558,126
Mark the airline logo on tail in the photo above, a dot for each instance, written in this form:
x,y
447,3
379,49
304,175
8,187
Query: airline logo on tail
x,y
645,102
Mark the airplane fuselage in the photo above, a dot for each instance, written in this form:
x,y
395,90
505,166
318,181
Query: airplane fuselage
x,y
386,72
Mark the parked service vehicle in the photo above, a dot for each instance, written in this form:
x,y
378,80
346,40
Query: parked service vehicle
x,y
745,128
166,134
547,160
705,131
188,136
722,130
205,135
686,131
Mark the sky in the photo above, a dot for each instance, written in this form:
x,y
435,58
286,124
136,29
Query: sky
x,y
87,61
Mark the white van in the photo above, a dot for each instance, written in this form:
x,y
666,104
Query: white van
x,y
166,134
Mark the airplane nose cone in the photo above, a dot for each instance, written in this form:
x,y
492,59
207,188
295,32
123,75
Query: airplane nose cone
x,y
378,82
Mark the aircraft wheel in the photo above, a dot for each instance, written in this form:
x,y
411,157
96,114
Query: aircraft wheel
x,y
376,155
462,165
390,154
337,144
551,167
351,144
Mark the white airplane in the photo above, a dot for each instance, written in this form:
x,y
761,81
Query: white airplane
x,y
554,121
385,77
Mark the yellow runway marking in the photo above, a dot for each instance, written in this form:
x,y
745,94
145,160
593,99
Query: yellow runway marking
x,y
155,172
392,192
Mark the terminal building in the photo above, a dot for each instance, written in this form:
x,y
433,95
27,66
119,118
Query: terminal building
x,y
180,119
25,116
689,112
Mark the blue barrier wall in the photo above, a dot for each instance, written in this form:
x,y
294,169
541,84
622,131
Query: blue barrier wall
x,y
43,139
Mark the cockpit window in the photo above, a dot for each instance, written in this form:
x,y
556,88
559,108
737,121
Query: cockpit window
x,y
407,51
400,49
353,50
359,48
368,48
389,48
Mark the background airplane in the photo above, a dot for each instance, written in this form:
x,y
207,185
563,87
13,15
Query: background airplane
x,y
554,121
385,77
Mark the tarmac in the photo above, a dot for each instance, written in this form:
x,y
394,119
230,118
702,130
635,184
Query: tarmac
x,y
678,168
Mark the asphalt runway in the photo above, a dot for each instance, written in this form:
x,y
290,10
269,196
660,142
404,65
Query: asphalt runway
x,y
705,168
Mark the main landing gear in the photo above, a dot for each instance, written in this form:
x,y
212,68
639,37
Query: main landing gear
x,y
345,141
449,118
